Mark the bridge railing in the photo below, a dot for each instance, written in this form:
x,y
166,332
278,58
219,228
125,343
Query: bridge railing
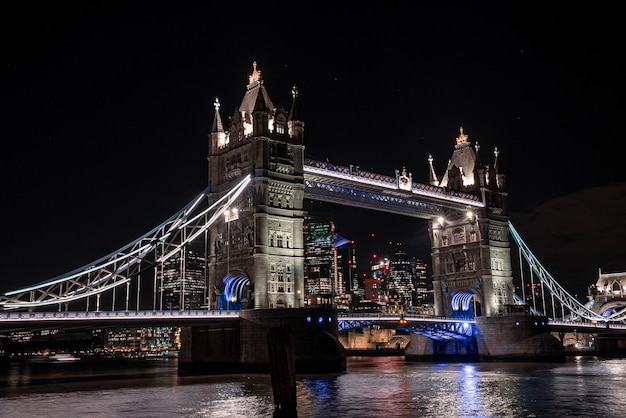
x,y
112,315
355,174
397,316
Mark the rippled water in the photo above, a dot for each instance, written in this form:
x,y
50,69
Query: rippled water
x,y
371,387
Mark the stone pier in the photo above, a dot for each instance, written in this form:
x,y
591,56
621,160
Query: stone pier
x,y
498,338
517,338
243,346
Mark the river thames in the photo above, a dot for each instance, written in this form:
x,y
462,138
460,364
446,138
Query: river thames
x,y
371,387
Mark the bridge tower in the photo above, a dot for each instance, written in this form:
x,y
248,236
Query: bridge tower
x,y
256,252
471,261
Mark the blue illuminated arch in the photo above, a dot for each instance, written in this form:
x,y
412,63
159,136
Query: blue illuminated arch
x,y
461,302
234,285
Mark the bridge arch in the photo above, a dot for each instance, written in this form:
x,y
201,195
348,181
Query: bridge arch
x,y
465,303
236,289
609,308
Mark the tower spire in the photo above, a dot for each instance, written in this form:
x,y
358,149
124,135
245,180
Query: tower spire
x,y
432,178
255,77
219,139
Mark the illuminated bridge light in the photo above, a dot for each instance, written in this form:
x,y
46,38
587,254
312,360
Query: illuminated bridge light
x,y
308,319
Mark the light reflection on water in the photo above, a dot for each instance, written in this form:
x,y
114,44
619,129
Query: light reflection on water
x,y
372,387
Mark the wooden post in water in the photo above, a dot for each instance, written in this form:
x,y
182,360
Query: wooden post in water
x,y
283,370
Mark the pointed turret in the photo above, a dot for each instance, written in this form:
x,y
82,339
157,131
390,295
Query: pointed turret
x,y
497,168
260,116
432,176
479,168
219,137
295,124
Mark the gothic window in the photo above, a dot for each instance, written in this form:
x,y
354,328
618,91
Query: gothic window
x,y
272,266
459,236
286,241
444,240
471,264
281,289
279,241
473,236
272,240
497,264
495,234
616,287
250,237
449,264
280,273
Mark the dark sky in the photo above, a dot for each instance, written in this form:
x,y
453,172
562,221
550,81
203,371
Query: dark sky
x,y
106,111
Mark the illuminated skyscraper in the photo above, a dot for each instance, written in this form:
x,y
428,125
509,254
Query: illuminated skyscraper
x,y
400,282
329,263
424,295
319,260
184,281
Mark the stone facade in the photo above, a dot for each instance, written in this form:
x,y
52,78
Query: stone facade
x,y
472,271
262,248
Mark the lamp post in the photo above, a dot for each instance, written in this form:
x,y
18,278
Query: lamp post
x,y
230,215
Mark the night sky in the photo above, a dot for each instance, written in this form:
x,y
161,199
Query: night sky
x,y
107,111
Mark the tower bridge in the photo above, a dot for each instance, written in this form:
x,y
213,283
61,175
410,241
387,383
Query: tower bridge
x,y
248,224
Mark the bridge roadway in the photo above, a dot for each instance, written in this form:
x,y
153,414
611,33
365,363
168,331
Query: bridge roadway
x,y
14,321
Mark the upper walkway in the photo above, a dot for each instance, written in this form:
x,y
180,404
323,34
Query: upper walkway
x,y
351,186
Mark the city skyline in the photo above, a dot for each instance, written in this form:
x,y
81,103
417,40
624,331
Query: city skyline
x,y
109,111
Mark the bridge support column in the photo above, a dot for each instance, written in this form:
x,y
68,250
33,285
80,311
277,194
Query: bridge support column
x,y
422,348
315,337
242,346
210,349
517,338
610,345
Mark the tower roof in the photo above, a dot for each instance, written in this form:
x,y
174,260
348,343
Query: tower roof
x,y
254,91
464,158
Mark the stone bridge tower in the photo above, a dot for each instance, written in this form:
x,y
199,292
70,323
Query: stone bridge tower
x,y
472,272
256,252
